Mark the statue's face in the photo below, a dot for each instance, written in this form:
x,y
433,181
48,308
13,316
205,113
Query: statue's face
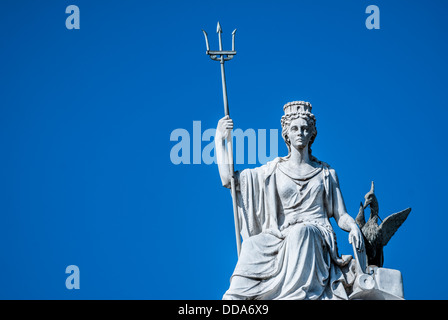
x,y
299,133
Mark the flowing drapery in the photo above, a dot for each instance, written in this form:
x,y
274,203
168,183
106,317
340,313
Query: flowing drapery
x,y
289,248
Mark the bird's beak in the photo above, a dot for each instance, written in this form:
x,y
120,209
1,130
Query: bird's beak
x,y
366,204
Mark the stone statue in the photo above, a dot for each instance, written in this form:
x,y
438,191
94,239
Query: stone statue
x,y
377,236
289,248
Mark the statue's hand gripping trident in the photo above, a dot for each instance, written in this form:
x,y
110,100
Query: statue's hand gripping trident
x,y
223,56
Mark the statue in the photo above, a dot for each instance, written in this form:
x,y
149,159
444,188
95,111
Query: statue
x,y
289,249
283,209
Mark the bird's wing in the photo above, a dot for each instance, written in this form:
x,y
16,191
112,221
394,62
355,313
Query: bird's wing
x,y
391,224
360,219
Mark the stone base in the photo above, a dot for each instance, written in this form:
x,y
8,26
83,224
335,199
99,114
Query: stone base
x,y
378,284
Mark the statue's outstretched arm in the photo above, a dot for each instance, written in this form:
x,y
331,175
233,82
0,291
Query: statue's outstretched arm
x,y
343,219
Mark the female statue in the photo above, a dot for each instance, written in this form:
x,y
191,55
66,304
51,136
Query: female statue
x,y
289,248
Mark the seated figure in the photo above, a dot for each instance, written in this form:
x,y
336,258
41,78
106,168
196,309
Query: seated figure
x,y
289,248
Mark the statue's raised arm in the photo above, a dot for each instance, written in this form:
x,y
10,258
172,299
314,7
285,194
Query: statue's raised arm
x,y
223,132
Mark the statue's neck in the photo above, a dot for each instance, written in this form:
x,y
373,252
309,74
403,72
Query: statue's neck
x,y
300,156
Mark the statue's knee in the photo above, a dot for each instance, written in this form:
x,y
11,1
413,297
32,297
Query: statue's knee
x,y
301,231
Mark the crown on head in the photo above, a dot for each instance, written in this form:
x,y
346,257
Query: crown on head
x,y
296,107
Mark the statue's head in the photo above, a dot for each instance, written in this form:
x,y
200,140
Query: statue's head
x,y
298,110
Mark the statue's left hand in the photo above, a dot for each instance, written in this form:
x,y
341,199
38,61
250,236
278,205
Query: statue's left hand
x,y
355,237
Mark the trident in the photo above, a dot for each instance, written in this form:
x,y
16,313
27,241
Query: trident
x,y
223,56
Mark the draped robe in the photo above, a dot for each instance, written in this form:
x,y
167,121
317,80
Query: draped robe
x,y
289,248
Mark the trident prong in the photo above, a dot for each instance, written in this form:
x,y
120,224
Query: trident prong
x,y
206,40
223,56
219,32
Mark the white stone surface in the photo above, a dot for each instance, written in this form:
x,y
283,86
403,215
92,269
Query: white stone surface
x,y
384,284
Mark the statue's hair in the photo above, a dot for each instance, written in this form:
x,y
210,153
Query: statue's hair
x,y
286,122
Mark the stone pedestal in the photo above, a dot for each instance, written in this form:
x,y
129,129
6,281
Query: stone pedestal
x,y
378,284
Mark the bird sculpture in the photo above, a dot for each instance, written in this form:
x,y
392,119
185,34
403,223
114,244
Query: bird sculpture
x,y
377,236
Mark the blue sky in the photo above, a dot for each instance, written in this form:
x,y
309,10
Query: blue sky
x,y
86,116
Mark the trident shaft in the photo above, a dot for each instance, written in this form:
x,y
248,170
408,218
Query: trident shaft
x,y
223,56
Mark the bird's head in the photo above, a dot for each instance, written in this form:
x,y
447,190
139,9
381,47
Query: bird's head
x,y
371,200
